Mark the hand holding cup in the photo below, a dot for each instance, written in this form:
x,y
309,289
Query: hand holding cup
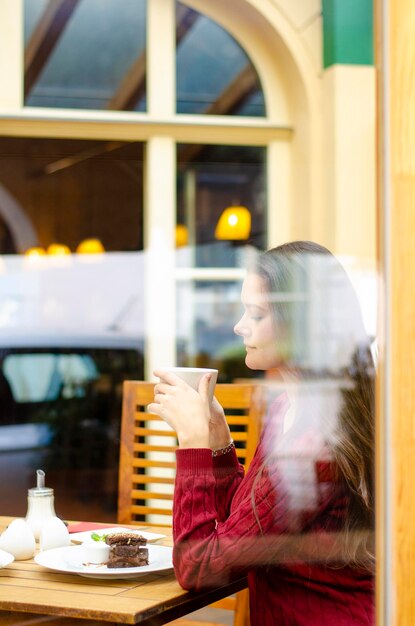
x,y
183,398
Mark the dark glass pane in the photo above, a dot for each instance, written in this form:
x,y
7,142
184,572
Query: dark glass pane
x,y
70,190
61,411
71,326
214,74
33,11
84,56
210,179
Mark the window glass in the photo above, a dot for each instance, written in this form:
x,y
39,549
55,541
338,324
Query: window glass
x,y
44,377
214,74
61,411
85,55
33,11
210,180
61,403
206,314
70,190
6,239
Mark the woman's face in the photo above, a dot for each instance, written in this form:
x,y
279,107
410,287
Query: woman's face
x,y
257,325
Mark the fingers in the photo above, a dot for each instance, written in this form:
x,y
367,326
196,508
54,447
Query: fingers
x,y
162,388
203,388
169,377
154,407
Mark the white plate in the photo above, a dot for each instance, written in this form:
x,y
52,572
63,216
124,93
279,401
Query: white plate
x,y
71,560
86,534
5,558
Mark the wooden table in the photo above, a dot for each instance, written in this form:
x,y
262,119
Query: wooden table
x,y
67,599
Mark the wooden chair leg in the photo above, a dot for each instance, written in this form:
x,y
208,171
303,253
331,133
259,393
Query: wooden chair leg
x,y
242,609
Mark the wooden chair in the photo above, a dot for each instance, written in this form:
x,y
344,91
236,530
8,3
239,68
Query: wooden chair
x,y
147,463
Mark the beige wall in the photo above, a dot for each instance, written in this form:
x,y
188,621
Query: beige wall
x,y
331,192
305,18
11,54
349,95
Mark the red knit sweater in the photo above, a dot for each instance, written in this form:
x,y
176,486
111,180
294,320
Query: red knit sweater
x,y
220,534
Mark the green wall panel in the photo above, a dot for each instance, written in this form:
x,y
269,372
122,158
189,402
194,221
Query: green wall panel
x,y
347,32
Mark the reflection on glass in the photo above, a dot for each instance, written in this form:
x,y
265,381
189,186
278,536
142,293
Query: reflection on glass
x,y
301,521
214,74
85,55
206,313
71,326
70,335
60,410
211,179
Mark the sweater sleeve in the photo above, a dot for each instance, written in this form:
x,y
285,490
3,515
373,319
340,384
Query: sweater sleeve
x,y
228,474
211,548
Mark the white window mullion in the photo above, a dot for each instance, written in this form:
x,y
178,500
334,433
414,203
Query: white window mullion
x,y
11,55
160,191
161,58
160,293
278,181
160,286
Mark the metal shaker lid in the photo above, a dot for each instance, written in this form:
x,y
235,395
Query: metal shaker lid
x,y
40,490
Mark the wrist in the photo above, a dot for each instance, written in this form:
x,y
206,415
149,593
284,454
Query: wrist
x,y
220,439
195,441
225,450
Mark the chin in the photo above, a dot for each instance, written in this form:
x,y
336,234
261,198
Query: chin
x,y
263,363
250,362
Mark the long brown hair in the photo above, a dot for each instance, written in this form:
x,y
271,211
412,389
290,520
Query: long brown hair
x,y
284,269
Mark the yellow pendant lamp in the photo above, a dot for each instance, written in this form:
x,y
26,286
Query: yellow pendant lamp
x,y
90,246
35,251
234,224
58,249
182,235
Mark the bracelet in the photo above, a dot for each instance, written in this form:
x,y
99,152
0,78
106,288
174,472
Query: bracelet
x,y
225,450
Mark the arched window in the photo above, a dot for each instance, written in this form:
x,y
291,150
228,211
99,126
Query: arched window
x,y
138,123
147,119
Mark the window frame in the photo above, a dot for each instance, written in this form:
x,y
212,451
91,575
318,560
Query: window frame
x,y
161,129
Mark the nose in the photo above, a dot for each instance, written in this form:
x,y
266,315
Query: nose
x,y
240,328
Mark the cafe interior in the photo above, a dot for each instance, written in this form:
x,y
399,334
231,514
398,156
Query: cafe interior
x,y
149,149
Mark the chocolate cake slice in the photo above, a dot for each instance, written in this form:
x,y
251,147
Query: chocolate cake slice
x,y
126,550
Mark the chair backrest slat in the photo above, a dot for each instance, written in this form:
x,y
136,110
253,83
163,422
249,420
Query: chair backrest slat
x,y
148,444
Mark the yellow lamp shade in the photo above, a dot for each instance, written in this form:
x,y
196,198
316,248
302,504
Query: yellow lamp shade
x,y
90,246
35,251
58,249
234,224
182,235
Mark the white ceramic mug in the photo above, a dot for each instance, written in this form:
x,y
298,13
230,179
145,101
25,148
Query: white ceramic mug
x,y
192,376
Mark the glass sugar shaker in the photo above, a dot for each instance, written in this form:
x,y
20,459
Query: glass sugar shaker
x,y
40,504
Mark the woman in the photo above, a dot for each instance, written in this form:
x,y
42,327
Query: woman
x,y
299,523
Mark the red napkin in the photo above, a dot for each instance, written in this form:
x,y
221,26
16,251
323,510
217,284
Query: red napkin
x,y
80,527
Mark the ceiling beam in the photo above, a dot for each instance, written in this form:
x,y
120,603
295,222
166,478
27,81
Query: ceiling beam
x,y
242,86
233,96
44,38
89,153
132,87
